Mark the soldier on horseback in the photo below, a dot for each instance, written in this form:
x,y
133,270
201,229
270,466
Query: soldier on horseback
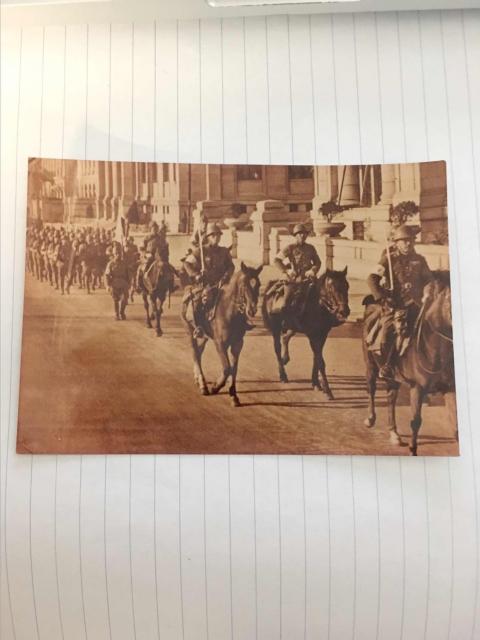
x,y
155,246
209,267
117,278
397,285
299,263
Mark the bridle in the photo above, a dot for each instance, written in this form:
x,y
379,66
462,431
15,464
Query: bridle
x,y
326,301
241,299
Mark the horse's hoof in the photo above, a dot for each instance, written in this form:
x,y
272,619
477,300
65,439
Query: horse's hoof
x,y
413,451
204,391
369,422
395,439
235,402
315,387
285,360
283,379
329,395
214,390
159,333
148,325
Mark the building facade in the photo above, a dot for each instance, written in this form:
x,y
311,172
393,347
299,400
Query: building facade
x,y
96,192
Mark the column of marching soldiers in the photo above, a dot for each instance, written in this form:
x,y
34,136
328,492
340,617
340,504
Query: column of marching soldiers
x,y
86,258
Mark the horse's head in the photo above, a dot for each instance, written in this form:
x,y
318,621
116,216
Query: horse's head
x,y
333,294
438,303
249,288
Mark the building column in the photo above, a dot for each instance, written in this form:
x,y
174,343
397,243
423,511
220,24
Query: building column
x,y
389,184
213,187
349,187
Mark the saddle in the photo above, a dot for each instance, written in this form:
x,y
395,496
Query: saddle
x,y
288,297
385,328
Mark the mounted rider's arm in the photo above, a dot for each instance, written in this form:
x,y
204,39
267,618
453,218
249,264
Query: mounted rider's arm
x,y
280,259
192,266
316,263
374,281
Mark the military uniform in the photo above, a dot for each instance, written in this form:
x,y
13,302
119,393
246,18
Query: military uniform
x,y
218,264
299,262
410,275
117,276
218,268
398,283
157,241
62,259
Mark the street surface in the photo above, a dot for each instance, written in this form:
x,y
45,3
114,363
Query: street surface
x,y
90,384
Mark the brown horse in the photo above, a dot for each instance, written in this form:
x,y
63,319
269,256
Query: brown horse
x,y
326,306
153,285
236,302
426,366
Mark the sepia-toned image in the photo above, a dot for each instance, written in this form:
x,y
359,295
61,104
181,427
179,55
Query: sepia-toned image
x,y
199,308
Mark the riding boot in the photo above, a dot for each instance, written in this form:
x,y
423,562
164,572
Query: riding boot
x,y
117,311
387,370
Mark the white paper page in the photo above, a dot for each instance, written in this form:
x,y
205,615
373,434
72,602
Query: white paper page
x,y
147,547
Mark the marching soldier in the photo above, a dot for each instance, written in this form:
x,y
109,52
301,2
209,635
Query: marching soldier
x,y
397,285
117,278
209,267
62,259
298,262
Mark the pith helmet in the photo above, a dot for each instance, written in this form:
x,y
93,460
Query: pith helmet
x,y
213,229
300,228
404,232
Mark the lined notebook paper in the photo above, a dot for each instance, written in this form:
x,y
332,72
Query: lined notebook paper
x,y
193,547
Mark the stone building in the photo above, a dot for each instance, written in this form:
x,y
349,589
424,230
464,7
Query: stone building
x,y
368,192
97,191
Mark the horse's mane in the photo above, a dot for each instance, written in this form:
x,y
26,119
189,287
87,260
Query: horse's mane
x,y
442,277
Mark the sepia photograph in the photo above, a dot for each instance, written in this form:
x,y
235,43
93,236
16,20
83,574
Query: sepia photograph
x,y
237,309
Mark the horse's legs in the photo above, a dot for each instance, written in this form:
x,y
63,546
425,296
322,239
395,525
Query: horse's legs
x,y
235,349
319,365
226,369
392,394
147,310
277,345
416,399
197,349
315,382
158,304
285,338
371,376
